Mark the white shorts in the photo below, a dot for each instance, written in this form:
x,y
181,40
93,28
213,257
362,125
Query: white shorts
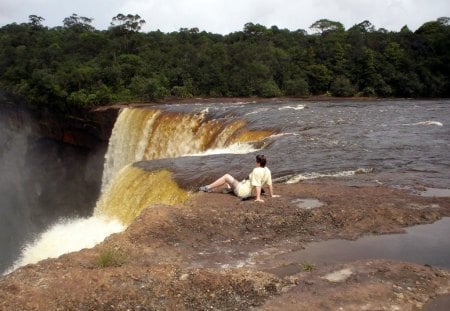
x,y
243,189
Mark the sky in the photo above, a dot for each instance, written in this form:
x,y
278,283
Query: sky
x,y
226,16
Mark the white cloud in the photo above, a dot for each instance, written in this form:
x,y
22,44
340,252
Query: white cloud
x,y
54,11
222,16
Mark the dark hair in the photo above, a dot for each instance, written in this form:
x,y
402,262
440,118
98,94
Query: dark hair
x,y
261,159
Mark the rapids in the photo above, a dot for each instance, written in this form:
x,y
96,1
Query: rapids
x,y
401,142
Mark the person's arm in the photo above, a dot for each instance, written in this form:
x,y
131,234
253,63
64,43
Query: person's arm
x,y
271,192
256,181
269,183
258,194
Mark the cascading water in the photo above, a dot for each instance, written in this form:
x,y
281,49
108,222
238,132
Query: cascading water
x,y
141,134
148,134
134,189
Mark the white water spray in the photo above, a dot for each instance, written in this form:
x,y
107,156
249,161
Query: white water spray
x,y
67,236
238,148
437,123
313,175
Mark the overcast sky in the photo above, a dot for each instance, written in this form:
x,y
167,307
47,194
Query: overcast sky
x,y
225,16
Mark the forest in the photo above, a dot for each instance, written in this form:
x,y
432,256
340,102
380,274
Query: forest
x,y
75,65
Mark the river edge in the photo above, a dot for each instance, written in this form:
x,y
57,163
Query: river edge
x,y
283,99
217,252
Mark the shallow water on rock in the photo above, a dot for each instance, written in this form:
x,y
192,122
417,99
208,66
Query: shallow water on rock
x,y
435,192
440,303
308,203
423,244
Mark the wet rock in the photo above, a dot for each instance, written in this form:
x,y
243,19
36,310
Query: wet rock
x,y
338,276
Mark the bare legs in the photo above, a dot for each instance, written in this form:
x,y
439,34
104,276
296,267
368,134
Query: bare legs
x,y
225,179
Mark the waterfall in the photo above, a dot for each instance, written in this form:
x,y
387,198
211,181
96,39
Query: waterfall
x,y
142,134
142,190
148,134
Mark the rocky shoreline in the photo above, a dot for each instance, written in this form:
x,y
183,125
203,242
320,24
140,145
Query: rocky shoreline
x,y
206,254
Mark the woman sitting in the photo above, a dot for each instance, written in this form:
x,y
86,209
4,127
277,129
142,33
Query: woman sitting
x,y
259,177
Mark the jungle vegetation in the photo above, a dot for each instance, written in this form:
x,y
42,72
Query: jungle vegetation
x,y
76,65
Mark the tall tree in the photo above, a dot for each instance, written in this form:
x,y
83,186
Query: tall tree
x,y
128,22
36,21
326,25
78,23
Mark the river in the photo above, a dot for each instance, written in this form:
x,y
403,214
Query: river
x,y
403,143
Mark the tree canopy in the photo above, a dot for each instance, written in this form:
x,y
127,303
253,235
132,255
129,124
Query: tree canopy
x,y
77,65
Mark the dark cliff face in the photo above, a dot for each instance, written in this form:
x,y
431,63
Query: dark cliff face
x,y
51,168
84,128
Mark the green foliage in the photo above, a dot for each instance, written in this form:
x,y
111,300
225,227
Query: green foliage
x,y
147,88
268,89
110,258
326,25
308,267
368,91
319,78
36,21
181,92
78,23
296,87
341,86
128,22
76,65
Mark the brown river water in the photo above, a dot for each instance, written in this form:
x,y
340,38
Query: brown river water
x,y
402,143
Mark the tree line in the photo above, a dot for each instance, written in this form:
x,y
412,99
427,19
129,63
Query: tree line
x,y
76,65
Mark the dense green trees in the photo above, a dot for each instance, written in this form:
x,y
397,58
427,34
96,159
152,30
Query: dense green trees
x,y
77,65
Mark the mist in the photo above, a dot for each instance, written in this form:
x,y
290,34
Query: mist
x,y
41,181
14,227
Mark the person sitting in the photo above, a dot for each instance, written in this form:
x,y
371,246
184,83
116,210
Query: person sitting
x,y
259,177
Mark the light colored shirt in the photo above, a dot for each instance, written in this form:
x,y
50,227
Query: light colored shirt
x,y
259,177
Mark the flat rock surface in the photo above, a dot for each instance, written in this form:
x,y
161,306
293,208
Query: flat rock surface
x,y
206,254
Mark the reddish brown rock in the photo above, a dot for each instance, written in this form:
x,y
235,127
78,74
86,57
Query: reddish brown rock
x,y
202,256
